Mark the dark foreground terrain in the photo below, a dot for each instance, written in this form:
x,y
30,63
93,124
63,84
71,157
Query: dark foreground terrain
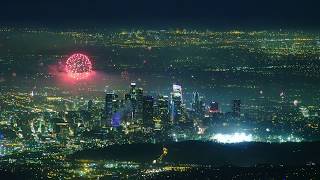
x,y
209,153
182,160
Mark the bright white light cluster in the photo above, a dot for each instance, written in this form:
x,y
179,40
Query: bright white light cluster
x,y
232,138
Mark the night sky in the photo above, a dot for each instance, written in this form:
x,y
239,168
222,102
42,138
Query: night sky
x,y
247,13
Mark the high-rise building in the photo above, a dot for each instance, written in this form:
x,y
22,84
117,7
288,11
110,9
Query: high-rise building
x,y
176,103
197,104
147,116
162,111
139,97
177,91
133,98
236,107
108,104
127,97
133,90
214,107
62,131
133,86
111,105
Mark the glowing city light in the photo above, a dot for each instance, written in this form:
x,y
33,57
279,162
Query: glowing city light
x,y
78,66
1,136
232,138
116,120
282,94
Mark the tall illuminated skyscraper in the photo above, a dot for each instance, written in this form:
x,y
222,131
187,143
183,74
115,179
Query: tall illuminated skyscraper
x,y
197,104
133,86
162,111
214,107
148,102
195,101
176,103
133,99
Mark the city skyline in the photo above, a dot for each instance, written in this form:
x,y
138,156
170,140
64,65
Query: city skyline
x,y
172,89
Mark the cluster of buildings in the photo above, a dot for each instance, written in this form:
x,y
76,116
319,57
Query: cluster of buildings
x,y
134,115
159,112
130,112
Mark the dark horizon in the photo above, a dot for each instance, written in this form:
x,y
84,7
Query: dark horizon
x,y
206,13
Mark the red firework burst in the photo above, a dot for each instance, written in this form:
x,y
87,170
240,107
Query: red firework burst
x,y
78,66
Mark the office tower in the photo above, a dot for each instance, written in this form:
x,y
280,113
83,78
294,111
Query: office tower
x,y
197,105
236,107
62,130
176,103
214,107
133,90
162,111
108,103
111,105
133,86
139,96
133,99
177,91
147,116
